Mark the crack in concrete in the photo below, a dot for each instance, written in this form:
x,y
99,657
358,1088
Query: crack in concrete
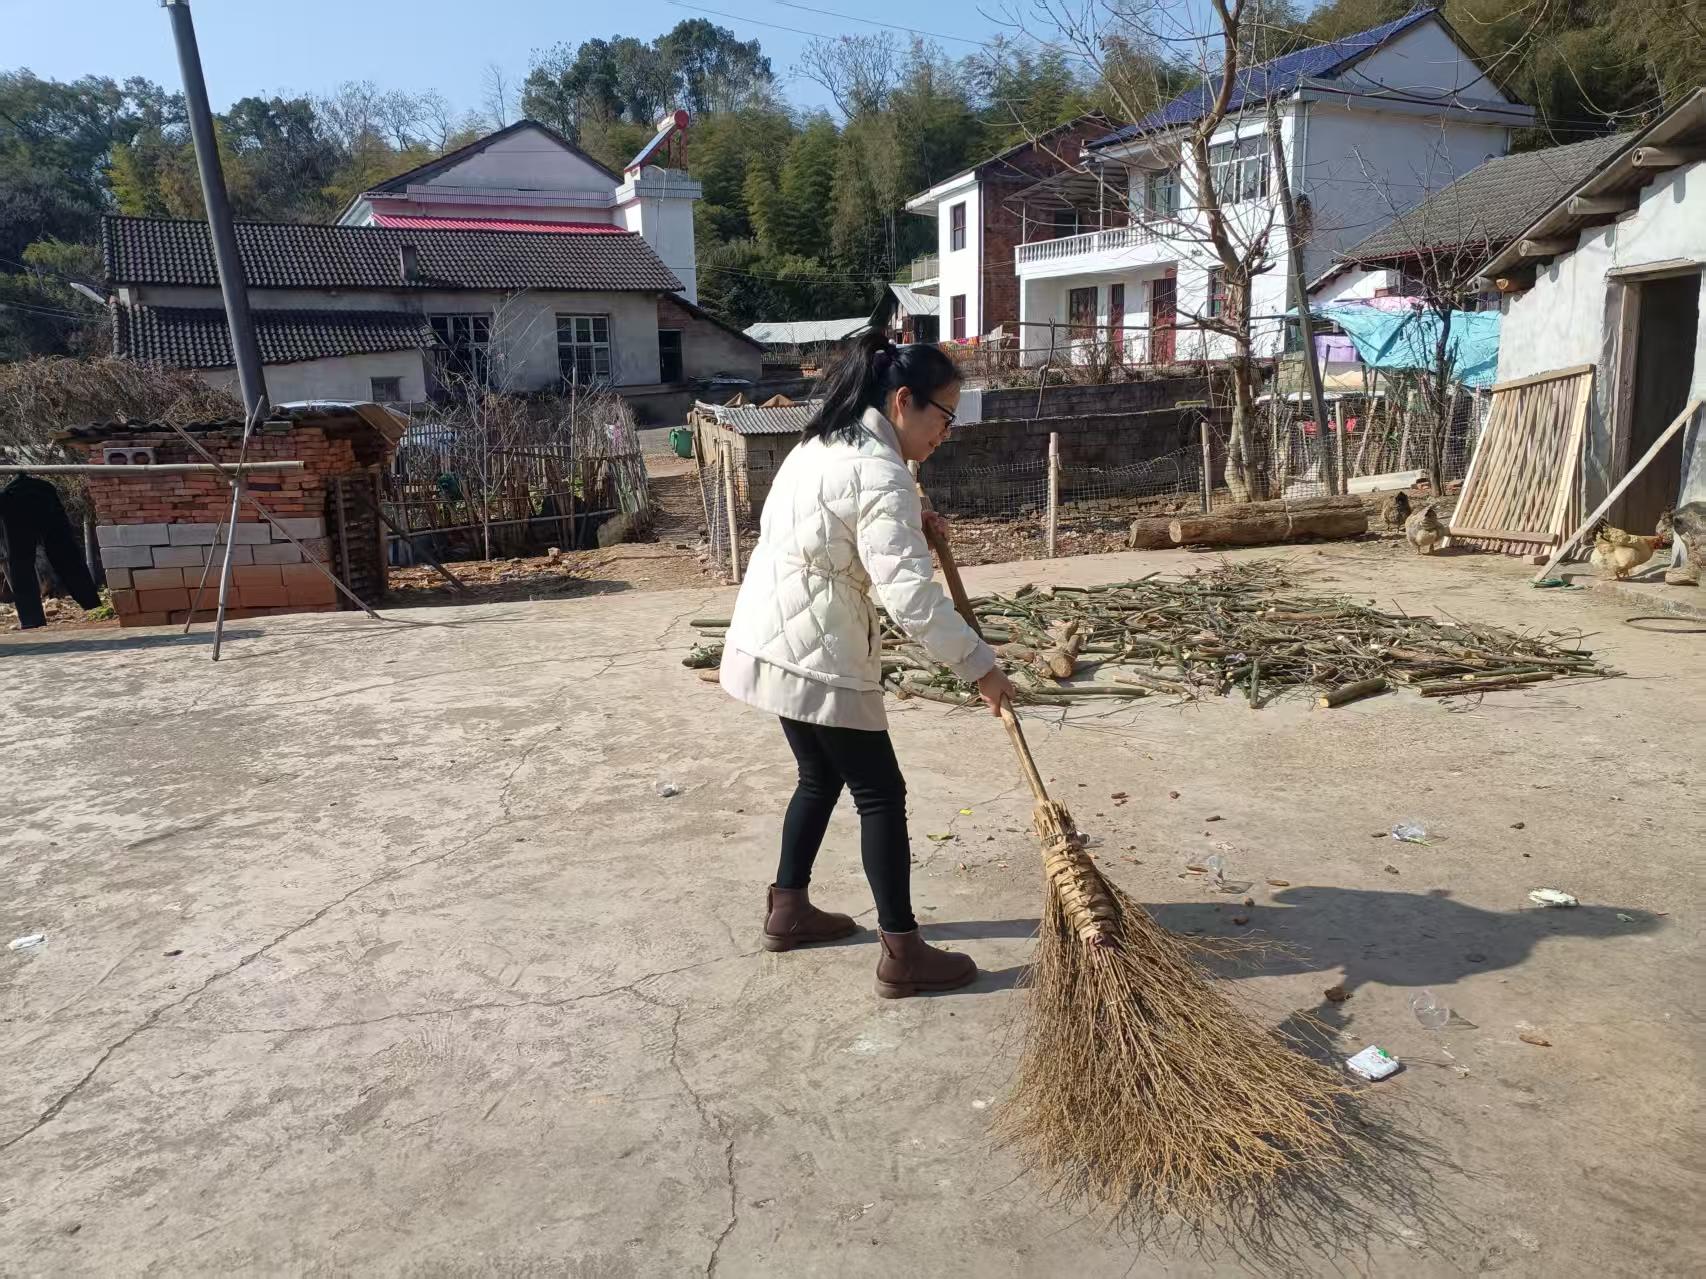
x,y
627,988
708,1120
152,1020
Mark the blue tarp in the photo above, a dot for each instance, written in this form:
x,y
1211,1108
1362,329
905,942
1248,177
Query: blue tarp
x,y
1391,339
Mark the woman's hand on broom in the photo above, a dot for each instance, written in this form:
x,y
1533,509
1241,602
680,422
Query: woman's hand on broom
x,y
995,688
936,526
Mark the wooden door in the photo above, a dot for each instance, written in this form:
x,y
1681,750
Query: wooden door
x,y
1163,313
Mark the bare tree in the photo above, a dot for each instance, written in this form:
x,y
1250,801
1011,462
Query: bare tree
x,y
1214,200
858,72
497,95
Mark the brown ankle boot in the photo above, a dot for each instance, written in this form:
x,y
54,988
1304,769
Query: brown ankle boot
x,y
791,920
908,967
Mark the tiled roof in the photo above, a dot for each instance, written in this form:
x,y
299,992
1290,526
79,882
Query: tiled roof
x,y
1269,79
422,222
197,337
754,419
315,256
1490,205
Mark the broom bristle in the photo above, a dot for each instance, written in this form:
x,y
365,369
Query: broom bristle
x,y
1142,1086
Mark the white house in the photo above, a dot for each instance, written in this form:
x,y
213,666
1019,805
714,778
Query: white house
x,y
1611,275
391,314
528,177
1115,248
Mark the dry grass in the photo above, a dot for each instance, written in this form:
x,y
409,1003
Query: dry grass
x,y
41,398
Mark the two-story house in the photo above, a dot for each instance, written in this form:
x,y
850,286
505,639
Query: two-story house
x,y
979,222
1115,261
517,262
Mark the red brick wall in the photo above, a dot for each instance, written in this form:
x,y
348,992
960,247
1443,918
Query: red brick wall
x,y
1003,221
157,532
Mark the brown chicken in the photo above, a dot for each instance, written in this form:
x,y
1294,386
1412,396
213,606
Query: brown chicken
x,y
1424,530
1395,510
1617,553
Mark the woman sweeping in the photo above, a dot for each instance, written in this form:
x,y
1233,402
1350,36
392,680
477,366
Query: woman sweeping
x,y
843,522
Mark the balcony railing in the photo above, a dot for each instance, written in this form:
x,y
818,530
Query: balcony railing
x,y
919,270
1109,241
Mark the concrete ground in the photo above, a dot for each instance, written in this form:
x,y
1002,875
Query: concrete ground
x,y
373,948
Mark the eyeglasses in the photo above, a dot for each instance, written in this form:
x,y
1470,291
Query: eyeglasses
x,y
943,409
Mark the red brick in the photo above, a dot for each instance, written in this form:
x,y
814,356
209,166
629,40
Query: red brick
x,y
319,591
145,619
163,601
293,574
125,602
249,575
259,595
155,579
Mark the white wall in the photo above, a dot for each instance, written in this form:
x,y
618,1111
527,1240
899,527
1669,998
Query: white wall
x,y
1427,60
524,329
659,205
529,159
961,268
1361,168
347,377
1566,317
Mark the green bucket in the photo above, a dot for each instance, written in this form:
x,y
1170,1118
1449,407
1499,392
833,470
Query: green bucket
x,y
681,440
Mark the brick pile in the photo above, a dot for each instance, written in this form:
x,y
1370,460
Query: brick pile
x,y
158,532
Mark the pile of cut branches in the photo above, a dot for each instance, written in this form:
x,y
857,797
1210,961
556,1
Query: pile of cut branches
x,y
1243,629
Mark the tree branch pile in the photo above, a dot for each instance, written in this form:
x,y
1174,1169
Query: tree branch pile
x,y
1241,629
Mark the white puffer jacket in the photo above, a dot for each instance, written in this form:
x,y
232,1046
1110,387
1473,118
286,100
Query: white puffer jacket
x,y
844,522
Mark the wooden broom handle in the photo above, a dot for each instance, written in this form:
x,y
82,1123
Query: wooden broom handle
x,y
962,606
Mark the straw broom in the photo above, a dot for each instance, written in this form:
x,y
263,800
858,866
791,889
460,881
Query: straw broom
x,y
1141,1086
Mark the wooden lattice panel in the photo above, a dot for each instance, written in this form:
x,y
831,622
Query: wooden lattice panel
x,y
1522,495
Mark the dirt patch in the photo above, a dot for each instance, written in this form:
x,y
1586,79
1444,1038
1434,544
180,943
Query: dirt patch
x,y
632,566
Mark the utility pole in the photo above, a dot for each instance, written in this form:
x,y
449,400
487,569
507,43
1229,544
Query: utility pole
x,y
1299,289
233,287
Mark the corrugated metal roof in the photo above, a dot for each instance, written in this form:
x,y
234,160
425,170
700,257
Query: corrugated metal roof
x,y
754,419
802,332
1490,205
913,302
1268,79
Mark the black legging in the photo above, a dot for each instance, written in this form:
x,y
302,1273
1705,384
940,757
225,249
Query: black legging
x,y
32,515
864,762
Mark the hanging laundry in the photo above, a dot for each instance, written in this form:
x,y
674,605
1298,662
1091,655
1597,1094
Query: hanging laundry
x,y
32,515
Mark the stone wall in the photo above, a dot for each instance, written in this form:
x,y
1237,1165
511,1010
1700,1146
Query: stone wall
x,y
1115,397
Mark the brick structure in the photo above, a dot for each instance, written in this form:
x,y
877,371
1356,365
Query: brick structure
x,y
158,531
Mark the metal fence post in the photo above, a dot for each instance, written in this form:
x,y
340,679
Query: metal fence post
x,y
1207,468
1053,525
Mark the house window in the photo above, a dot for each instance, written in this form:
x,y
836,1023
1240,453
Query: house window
x,y
583,348
1161,194
957,226
385,390
1081,312
957,317
464,343
1065,223
1239,169
1216,293
670,367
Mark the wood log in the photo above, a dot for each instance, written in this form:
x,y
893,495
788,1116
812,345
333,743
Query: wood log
x,y
1228,528
1150,534
1251,510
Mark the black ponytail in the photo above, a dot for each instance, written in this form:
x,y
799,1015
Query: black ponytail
x,y
866,376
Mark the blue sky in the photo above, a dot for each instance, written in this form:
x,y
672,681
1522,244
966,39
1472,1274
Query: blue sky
x,y
310,45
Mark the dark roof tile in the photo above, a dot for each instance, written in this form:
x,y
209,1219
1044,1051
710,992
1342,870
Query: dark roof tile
x,y
1490,205
315,256
197,337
